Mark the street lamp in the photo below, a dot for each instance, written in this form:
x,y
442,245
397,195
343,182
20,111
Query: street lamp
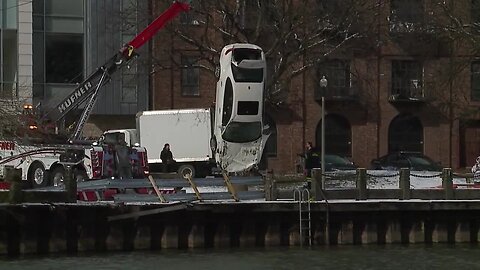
x,y
323,86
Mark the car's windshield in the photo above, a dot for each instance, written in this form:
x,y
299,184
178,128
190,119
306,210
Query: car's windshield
x,y
420,161
254,75
337,160
242,132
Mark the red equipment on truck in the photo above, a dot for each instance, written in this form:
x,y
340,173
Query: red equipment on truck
x,y
43,164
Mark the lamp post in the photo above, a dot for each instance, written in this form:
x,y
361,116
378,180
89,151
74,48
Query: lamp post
x,y
323,86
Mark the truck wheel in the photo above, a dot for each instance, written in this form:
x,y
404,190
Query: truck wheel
x,y
37,175
57,176
183,170
80,175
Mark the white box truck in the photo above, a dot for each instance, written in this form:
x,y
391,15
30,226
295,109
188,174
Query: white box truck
x,y
187,131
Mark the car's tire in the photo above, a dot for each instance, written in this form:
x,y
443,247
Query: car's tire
x,y
185,169
57,176
37,175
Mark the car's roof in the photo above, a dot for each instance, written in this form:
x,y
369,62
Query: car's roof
x,y
408,153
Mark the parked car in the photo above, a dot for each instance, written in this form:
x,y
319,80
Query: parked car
x,y
333,162
415,161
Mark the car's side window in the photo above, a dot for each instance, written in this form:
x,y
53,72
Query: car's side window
x,y
227,102
392,159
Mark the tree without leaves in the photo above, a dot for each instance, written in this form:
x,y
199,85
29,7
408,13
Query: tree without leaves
x,y
455,25
295,35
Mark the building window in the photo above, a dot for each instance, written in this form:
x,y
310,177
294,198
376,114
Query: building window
x,y
9,48
63,58
9,62
475,81
58,47
337,73
405,15
405,133
190,77
407,79
131,20
129,90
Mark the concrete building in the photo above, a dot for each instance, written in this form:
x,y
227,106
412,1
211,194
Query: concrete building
x,y
48,46
414,90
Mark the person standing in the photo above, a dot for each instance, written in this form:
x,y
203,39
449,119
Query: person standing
x,y
122,158
308,158
167,158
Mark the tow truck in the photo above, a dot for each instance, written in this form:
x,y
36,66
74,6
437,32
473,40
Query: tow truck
x,y
43,163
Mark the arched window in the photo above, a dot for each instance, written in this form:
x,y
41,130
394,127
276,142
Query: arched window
x,y
338,135
405,133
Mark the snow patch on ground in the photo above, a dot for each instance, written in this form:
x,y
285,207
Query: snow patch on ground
x,y
381,179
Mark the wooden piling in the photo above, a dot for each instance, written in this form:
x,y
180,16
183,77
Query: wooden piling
x,y
170,237
463,232
393,233
196,237
272,235
317,184
369,234
404,184
269,187
70,185
14,177
447,183
142,239
416,232
247,237
362,192
345,236
222,236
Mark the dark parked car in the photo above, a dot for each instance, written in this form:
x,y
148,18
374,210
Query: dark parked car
x,y
415,161
333,162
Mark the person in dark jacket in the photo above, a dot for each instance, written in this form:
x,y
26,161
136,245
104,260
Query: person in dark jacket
x,y
122,158
308,158
167,158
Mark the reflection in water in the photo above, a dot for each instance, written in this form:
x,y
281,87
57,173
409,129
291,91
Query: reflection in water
x,y
340,257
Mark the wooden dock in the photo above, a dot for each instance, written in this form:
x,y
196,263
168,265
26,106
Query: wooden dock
x,y
264,216
93,226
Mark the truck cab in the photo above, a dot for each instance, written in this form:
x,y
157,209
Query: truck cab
x,y
129,136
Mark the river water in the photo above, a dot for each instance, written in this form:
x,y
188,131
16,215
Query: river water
x,y
340,257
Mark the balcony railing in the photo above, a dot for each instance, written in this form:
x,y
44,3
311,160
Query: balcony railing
x,y
336,93
407,95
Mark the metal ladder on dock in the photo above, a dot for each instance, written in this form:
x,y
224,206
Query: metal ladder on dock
x,y
302,196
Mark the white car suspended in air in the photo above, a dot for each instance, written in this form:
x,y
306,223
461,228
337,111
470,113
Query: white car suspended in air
x,y
239,139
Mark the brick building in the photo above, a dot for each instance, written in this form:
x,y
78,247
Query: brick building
x,y
416,89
